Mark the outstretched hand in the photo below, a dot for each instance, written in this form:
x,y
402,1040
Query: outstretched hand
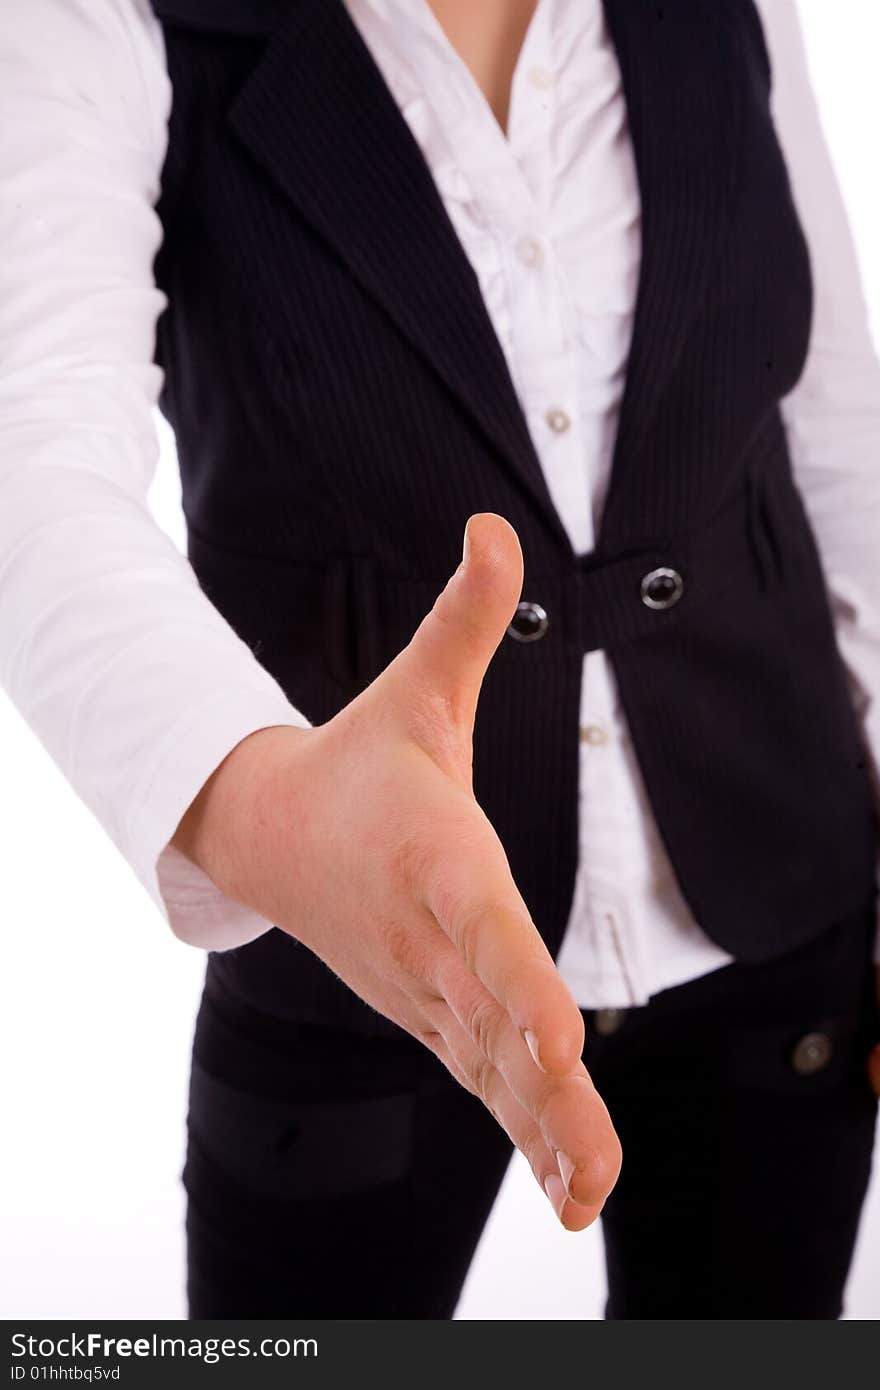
x,y
363,839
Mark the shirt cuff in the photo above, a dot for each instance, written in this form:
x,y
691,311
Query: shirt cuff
x,y
197,912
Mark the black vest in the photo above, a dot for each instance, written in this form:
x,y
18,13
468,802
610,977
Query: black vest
x,y
342,405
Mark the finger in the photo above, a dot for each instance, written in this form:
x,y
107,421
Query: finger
x,y
471,1067
433,1024
567,1111
475,901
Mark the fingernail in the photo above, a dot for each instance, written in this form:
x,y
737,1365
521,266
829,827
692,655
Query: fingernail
x,y
532,1045
566,1168
466,547
555,1189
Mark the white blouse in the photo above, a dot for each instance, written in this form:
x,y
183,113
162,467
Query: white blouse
x,y
133,681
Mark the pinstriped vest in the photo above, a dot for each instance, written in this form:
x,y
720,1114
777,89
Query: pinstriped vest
x,y
342,405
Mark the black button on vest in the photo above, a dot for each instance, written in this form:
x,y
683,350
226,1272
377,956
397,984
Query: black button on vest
x,y
342,405
529,622
811,1053
662,588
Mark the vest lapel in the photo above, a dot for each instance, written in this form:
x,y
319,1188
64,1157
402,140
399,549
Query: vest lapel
x,y
682,82
319,117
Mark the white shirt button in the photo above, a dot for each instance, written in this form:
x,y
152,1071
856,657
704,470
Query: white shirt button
x,y
594,734
541,77
530,251
558,420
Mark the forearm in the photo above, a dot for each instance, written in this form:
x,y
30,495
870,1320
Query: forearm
x,y
131,679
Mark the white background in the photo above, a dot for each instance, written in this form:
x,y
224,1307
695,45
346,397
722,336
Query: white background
x,y
98,998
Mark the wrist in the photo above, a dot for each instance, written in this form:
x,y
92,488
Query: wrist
x,y
221,828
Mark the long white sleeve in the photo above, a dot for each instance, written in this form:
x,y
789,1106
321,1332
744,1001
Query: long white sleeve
x,y
128,675
832,416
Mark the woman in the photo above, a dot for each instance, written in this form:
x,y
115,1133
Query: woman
x,y
536,267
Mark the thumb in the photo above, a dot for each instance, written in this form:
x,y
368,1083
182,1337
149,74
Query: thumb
x,y
446,659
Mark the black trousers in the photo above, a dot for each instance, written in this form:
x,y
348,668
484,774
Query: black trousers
x,y
332,1176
